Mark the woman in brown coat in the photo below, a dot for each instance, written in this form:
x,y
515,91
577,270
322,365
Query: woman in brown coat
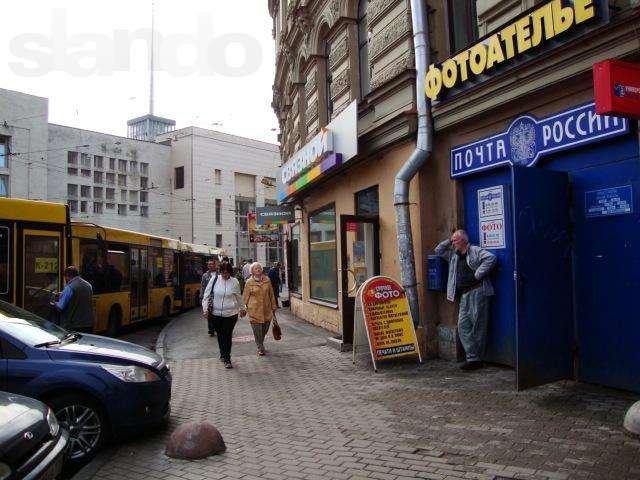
x,y
261,304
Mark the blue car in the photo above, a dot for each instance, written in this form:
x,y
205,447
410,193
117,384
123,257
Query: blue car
x,y
97,387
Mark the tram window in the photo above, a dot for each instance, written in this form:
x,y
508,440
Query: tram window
x,y
193,268
4,260
41,272
106,273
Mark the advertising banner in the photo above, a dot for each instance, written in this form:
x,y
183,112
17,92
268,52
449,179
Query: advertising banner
x,y
261,233
383,309
274,215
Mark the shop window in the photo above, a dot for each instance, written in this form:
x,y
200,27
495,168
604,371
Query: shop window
x,y
295,273
105,266
179,178
323,278
363,48
367,202
463,23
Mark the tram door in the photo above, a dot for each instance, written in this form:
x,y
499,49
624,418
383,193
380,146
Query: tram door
x,y
139,284
39,277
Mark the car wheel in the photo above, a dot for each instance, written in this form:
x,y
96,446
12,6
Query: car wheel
x,y
84,421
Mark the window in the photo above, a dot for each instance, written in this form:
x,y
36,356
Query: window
x,y
133,196
110,206
367,201
144,197
122,209
217,176
218,240
4,150
98,161
133,208
244,249
72,171
123,195
363,49
42,264
85,160
328,80
218,211
97,177
83,206
463,21
323,278
273,248
179,178
85,173
72,191
72,158
97,192
144,168
122,180
122,165
133,166
144,211
144,183
97,207
159,275
295,266
4,185
112,164
111,178
85,191
111,193
73,206
106,268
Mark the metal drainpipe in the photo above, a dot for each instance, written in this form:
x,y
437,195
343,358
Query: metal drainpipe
x,y
415,161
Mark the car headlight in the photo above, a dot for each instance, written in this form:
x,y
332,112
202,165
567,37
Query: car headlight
x,y
131,373
54,426
5,471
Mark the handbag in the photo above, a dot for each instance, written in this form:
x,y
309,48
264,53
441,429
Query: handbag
x,y
276,330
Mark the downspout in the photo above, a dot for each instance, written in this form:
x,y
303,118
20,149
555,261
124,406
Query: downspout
x,y
413,164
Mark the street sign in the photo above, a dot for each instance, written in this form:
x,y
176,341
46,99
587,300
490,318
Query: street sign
x,y
382,308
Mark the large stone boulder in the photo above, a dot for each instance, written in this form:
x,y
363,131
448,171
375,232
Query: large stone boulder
x,y
195,440
632,420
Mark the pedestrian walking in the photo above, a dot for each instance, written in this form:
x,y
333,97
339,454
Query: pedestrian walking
x,y
469,269
261,304
246,270
223,302
212,272
274,276
75,303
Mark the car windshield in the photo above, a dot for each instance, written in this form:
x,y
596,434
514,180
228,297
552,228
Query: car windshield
x,y
28,328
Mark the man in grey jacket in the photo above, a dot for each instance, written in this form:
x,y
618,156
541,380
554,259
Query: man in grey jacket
x,y
76,301
469,269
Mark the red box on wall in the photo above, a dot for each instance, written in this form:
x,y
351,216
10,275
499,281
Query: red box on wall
x,y
616,87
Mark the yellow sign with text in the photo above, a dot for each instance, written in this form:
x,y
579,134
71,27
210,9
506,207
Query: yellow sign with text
x,y
46,265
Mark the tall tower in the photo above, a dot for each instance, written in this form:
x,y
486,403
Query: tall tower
x,y
149,126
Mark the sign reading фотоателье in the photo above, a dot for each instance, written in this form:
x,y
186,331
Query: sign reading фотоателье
x,y
528,139
387,319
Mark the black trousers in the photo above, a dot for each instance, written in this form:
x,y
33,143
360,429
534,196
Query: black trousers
x,y
223,326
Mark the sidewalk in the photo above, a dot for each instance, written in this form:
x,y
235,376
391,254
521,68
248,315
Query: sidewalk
x,y
305,412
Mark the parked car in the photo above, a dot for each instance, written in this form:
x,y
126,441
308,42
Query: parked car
x,y
98,387
32,444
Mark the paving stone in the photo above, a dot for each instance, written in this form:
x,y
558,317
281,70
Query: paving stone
x,y
305,412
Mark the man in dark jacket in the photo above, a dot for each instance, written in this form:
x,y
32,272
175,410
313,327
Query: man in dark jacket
x,y
76,301
274,276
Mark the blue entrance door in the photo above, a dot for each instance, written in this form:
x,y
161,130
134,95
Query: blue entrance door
x,y
542,275
606,203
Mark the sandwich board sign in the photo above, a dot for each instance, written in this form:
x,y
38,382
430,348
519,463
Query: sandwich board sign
x,y
382,320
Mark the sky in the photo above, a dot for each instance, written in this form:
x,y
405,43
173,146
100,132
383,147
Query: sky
x,y
214,62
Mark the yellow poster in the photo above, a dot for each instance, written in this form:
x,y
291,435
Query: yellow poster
x,y
388,319
46,265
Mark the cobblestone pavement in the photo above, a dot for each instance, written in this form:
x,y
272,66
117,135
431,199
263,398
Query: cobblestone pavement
x,y
305,412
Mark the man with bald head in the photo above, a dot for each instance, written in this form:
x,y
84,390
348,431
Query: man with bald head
x,y
469,269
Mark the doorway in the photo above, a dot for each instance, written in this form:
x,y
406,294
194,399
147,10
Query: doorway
x,y
360,254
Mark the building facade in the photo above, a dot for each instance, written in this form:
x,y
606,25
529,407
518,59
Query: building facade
x,y
520,160
345,83
194,184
